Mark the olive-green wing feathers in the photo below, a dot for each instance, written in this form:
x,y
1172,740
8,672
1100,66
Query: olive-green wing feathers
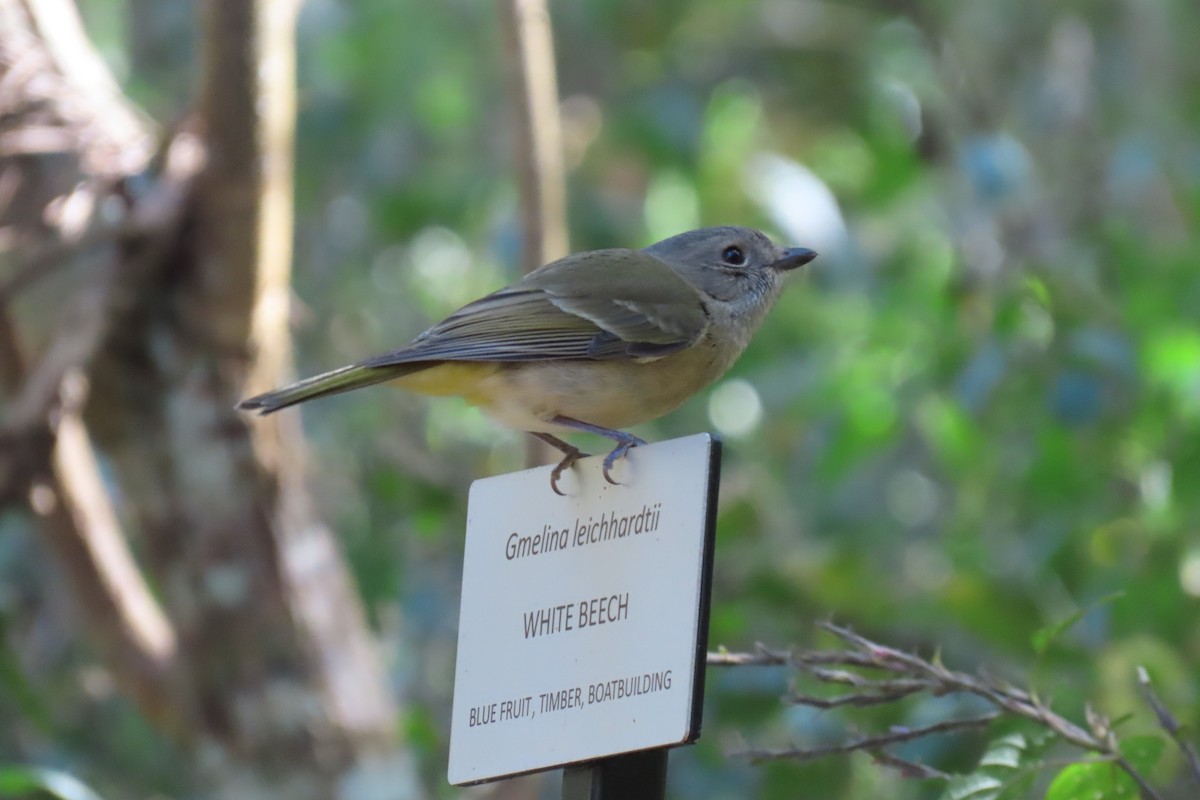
x,y
607,304
599,305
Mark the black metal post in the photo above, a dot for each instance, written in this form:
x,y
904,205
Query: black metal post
x,y
632,776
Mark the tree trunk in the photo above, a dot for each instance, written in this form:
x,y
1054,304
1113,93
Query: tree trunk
x,y
266,666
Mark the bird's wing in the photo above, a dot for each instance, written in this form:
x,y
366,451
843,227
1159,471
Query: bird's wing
x,y
607,304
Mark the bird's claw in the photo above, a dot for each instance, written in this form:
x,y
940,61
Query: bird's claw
x,y
572,454
617,454
568,461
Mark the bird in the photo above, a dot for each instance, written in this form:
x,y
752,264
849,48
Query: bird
x,y
597,341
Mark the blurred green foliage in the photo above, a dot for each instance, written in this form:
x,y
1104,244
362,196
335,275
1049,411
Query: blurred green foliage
x,y
30,783
974,420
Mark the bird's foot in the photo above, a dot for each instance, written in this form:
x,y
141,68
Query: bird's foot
x,y
625,441
624,445
571,454
568,461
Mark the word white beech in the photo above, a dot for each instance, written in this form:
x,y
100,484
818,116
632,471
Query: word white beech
x,y
572,616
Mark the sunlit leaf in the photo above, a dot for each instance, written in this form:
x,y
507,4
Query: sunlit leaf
x,y
977,786
21,783
1094,780
1005,752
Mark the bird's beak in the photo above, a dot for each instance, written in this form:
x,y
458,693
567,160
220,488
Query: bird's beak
x,y
794,257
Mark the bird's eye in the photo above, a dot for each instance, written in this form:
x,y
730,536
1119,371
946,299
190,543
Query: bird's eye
x,y
733,256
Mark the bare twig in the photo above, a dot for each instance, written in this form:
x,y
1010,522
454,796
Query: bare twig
x,y
913,674
880,693
868,743
761,657
1012,700
1169,723
1144,786
764,656
907,768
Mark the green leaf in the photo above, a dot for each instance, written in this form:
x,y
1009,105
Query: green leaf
x,y
23,783
976,786
1004,770
1143,752
1172,360
1005,752
1044,637
1019,787
1094,780
15,781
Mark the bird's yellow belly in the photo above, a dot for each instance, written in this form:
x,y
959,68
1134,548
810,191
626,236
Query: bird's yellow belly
x,y
611,394
472,380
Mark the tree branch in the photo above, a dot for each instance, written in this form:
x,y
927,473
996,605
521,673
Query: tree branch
x,y
914,674
869,744
533,93
279,665
1168,722
261,594
541,174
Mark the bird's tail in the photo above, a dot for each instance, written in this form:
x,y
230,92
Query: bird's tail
x,y
335,382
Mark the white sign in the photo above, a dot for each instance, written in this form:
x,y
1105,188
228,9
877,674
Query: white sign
x,y
584,618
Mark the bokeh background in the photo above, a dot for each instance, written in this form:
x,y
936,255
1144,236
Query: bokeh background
x,y
975,417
